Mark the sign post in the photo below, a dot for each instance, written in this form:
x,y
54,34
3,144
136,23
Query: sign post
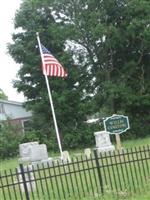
x,y
118,141
116,124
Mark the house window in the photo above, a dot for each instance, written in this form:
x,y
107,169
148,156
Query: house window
x,y
26,125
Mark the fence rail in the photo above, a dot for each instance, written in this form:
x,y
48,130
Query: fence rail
x,y
123,172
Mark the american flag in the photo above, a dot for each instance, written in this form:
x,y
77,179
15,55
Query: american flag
x,y
50,65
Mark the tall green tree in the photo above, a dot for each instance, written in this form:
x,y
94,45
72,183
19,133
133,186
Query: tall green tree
x,y
37,16
115,34
104,44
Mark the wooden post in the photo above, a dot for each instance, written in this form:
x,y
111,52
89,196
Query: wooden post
x,y
118,141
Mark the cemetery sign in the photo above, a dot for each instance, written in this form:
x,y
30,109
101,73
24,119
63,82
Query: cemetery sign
x,y
116,124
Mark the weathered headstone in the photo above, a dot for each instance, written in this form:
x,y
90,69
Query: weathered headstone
x,y
65,157
35,154
25,151
103,143
87,153
29,177
39,152
39,156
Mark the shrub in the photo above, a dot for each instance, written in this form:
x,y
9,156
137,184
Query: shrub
x,y
30,136
9,140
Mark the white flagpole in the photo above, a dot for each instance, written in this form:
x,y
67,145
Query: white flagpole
x,y
50,98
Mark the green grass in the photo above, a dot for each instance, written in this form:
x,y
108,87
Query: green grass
x,y
110,197
136,143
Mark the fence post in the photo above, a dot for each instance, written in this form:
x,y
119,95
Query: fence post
x,y
24,182
99,171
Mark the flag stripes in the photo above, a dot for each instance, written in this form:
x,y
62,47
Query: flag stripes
x,y
50,65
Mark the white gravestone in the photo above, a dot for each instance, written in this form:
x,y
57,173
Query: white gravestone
x,y
87,153
103,143
65,157
34,153
39,155
39,152
25,151
29,177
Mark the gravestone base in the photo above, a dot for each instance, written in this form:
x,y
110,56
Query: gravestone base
x,y
30,180
87,153
43,163
105,149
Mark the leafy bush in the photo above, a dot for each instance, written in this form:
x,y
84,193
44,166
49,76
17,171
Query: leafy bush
x,y
34,135
9,140
80,138
30,136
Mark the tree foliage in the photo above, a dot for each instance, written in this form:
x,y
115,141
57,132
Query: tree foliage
x,y
105,47
3,95
9,140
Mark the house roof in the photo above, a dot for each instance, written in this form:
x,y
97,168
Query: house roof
x,y
13,110
11,102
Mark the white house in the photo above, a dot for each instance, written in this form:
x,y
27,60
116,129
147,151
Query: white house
x,y
15,113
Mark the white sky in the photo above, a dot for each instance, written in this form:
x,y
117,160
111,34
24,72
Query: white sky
x,y
8,68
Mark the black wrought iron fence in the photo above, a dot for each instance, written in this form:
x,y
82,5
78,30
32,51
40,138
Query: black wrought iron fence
x,y
123,172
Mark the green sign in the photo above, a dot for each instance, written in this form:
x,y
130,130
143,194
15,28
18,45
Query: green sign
x,y
116,124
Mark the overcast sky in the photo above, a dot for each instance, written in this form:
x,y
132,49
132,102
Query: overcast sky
x,y
8,68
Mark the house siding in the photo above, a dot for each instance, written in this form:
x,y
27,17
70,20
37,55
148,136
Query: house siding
x,y
15,113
